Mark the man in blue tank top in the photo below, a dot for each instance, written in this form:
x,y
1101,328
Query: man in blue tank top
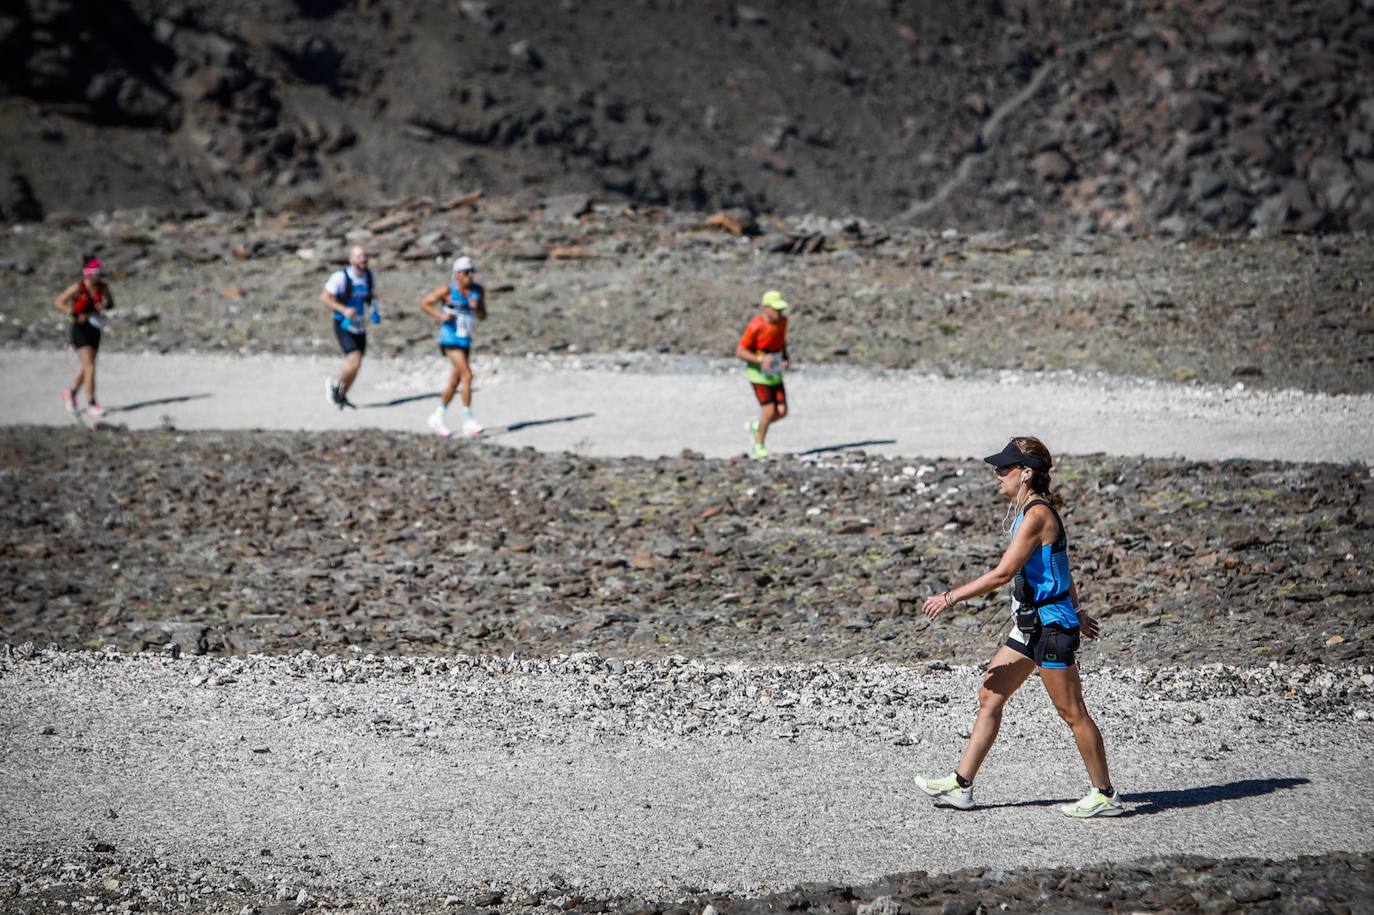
x,y
349,294
457,307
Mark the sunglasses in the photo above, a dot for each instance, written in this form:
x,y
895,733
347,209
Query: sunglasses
x,y
1003,471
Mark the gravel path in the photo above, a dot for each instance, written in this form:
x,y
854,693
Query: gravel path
x,y
644,405
438,774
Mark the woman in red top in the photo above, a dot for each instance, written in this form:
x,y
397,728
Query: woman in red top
x,y
764,350
86,301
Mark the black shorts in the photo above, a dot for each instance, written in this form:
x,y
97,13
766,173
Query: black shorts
x,y
1049,646
770,393
350,342
84,334
463,348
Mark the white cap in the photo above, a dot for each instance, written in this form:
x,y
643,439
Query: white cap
x,y
462,263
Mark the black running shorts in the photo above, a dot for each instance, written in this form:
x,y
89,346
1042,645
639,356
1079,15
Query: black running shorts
x,y
1049,646
83,334
350,342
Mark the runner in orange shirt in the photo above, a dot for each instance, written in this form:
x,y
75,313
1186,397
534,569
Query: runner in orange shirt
x,y
764,350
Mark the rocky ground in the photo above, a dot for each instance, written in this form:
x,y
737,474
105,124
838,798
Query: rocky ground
x,y
99,879
1160,115
566,274
1206,751
247,542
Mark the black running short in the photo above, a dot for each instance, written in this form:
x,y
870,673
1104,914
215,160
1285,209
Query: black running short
x,y
83,334
463,348
350,342
1050,646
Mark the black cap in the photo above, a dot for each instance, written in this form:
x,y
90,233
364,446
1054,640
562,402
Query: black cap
x,y
1010,456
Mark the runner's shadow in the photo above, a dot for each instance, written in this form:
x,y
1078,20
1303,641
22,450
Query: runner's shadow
x,y
525,424
847,445
1145,803
399,400
161,401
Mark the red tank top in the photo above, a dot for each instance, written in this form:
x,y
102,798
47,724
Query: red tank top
x,y
87,299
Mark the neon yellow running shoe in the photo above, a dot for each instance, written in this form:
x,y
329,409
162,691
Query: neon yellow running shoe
x,y
945,792
752,427
1095,804
760,452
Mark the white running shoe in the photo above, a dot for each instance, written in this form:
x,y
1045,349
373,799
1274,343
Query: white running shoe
x,y
945,792
69,401
472,427
94,410
436,422
1095,804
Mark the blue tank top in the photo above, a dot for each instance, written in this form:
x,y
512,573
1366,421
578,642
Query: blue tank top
x,y
457,328
1047,573
359,289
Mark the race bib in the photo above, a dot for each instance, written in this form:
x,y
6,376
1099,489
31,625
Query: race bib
x,y
462,324
772,364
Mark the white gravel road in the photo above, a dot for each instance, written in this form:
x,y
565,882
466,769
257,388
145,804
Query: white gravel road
x,y
651,776
650,406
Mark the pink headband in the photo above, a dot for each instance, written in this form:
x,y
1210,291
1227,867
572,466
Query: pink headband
x,y
92,268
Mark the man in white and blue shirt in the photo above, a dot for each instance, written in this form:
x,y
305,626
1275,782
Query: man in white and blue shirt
x,y
349,294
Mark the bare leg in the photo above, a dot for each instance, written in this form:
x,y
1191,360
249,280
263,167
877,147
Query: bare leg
x,y
465,378
770,414
352,362
1066,691
86,373
459,376
1007,670
80,378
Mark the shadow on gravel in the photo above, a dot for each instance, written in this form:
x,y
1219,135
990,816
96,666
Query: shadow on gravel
x,y
528,423
1143,803
822,449
161,401
400,400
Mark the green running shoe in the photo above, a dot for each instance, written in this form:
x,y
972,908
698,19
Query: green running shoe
x,y
760,452
752,427
945,792
1095,804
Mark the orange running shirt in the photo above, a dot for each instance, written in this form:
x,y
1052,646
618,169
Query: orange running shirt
x,y
760,336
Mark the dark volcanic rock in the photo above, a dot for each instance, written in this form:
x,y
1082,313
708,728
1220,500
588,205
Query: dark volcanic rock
x,y
234,543
923,112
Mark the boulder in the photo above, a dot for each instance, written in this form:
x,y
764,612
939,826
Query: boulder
x,y
1052,165
1270,216
566,208
17,200
1205,184
1230,38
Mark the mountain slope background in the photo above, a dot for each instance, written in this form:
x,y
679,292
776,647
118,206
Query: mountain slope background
x,y
1020,114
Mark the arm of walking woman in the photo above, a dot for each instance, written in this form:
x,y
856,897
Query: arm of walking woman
x,y
1018,551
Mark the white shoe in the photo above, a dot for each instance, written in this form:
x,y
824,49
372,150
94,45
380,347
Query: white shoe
x,y
436,422
1095,804
472,427
945,792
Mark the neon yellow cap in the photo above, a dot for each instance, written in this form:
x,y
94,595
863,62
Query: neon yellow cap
x,y
774,300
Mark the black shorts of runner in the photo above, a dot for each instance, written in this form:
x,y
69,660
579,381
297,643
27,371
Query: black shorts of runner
x,y
350,342
770,393
1050,646
463,348
84,334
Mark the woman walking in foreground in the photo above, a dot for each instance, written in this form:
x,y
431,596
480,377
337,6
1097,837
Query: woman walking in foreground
x,y
1045,633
